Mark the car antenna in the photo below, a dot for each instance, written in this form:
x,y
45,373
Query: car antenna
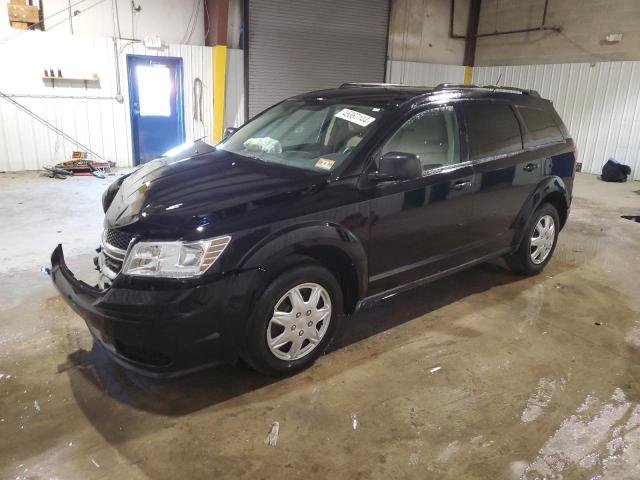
x,y
497,83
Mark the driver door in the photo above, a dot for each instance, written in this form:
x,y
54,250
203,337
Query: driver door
x,y
420,227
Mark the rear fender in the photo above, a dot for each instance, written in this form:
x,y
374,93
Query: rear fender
x,y
551,185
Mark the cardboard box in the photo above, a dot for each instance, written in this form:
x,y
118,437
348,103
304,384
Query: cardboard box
x,y
23,13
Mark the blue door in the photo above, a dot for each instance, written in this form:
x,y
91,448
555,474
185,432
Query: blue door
x,y
155,102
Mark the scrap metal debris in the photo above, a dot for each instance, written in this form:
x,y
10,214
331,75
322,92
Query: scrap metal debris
x,y
272,437
54,172
79,165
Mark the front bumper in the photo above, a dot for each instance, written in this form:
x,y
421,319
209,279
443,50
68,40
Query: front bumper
x,y
162,328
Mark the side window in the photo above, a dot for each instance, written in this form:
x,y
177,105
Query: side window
x,y
541,126
492,129
432,135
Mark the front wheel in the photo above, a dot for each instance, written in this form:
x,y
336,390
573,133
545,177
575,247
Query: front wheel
x,y
539,243
293,320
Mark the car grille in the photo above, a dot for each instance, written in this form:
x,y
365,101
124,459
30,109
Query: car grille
x,y
118,239
113,264
115,244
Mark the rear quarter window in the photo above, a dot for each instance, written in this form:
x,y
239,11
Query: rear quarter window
x,y
541,126
492,129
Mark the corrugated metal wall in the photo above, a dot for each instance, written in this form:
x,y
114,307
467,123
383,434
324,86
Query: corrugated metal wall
x,y
90,115
427,74
599,103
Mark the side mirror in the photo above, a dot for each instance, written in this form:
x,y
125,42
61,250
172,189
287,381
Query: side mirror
x,y
228,132
397,166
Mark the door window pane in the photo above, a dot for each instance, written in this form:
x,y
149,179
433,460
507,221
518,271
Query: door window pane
x,y
492,129
154,91
541,126
431,135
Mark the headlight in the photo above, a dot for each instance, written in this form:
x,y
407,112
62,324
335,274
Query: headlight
x,y
174,259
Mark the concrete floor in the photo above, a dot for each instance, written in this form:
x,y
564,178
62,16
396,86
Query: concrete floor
x,y
482,375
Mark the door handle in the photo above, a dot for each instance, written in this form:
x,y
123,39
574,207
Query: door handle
x,y
460,184
530,167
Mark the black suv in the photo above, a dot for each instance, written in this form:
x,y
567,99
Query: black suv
x,y
326,202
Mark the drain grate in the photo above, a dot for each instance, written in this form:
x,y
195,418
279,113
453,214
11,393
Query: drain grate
x,y
633,218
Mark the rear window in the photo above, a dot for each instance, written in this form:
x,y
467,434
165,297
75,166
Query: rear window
x,y
541,126
492,129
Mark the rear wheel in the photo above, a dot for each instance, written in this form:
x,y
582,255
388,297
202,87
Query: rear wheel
x,y
293,321
539,243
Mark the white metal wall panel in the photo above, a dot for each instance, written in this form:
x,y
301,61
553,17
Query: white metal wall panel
x,y
303,45
90,115
423,74
234,90
26,144
599,103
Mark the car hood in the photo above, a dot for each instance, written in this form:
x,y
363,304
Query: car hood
x,y
193,194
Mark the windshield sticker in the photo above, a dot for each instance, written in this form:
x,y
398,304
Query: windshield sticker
x,y
355,117
325,163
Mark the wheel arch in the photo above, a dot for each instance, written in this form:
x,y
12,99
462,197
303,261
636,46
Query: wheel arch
x,y
550,190
330,245
560,203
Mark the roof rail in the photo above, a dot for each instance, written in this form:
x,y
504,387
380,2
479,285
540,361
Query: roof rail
x,y
523,91
358,85
446,86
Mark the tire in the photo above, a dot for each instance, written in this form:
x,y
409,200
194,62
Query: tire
x,y
299,321
532,255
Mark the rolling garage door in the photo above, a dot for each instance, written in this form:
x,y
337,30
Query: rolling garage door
x,y
302,45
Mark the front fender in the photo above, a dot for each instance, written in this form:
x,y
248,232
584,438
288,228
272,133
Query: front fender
x,y
275,247
548,186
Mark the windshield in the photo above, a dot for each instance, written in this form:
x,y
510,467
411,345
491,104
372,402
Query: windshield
x,y
312,134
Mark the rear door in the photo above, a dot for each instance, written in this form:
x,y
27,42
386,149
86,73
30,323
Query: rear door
x,y
419,227
506,174
542,133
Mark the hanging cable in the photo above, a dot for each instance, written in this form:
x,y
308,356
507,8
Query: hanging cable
x,y
115,13
208,20
189,30
195,21
197,99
